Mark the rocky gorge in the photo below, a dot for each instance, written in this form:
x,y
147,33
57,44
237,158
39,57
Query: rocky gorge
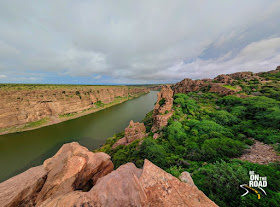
x,y
74,176
54,104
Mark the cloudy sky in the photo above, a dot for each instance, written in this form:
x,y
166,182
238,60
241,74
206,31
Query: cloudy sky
x,y
135,42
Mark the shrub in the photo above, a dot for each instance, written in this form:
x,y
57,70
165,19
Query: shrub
x,y
162,102
218,148
150,150
220,182
224,118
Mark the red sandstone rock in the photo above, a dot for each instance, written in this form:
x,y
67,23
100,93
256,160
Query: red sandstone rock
x,y
23,189
133,132
156,135
224,79
18,107
130,186
163,108
189,85
162,189
217,88
72,168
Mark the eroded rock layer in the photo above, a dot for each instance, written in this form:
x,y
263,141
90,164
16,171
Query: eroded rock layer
x,y
216,85
163,108
78,177
19,107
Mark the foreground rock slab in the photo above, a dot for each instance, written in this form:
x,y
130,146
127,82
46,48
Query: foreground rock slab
x,y
23,189
80,178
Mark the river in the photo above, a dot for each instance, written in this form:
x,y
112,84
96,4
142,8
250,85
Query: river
x,y
20,151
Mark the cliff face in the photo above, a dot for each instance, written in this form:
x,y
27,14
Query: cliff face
x,y
78,177
215,85
18,107
163,108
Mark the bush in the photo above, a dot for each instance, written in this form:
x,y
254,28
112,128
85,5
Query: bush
x,y
150,150
220,182
230,101
224,118
218,148
162,102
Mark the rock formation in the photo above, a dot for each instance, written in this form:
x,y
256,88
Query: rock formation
x,y
132,132
226,79
218,88
215,85
186,178
61,180
72,168
18,107
163,108
189,85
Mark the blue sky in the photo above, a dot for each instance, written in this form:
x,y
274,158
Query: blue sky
x,y
135,42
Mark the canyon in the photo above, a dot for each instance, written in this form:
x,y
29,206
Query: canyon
x,y
20,106
74,176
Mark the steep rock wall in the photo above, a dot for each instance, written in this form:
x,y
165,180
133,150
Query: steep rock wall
x,y
18,107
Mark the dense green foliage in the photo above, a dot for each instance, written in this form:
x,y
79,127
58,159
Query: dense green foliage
x,y
204,135
220,181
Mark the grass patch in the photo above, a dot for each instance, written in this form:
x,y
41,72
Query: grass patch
x,y
230,87
36,123
67,115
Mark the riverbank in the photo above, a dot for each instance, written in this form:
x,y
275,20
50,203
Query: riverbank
x,y
91,130
65,117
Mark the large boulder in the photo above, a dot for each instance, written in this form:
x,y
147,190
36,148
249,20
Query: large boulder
x,y
23,189
130,186
164,190
78,177
186,178
72,168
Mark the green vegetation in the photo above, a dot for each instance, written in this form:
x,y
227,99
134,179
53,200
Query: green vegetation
x,y
29,125
206,134
36,123
99,104
162,102
67,115
271,76
230,87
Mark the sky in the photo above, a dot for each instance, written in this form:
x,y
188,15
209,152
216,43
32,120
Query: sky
x,y
135,42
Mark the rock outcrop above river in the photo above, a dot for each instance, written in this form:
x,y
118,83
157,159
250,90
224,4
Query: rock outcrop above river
x,y
133,132
78,177
21,106
216,85
163,108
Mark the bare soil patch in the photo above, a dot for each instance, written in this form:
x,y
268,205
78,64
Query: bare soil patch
x,y
260,153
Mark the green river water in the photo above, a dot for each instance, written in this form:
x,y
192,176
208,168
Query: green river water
x,y
20,151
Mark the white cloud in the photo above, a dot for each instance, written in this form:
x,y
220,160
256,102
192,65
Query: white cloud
x,y
137,41
3,76
257,57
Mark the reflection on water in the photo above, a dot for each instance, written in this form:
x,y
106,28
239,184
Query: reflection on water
x,y
20,151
